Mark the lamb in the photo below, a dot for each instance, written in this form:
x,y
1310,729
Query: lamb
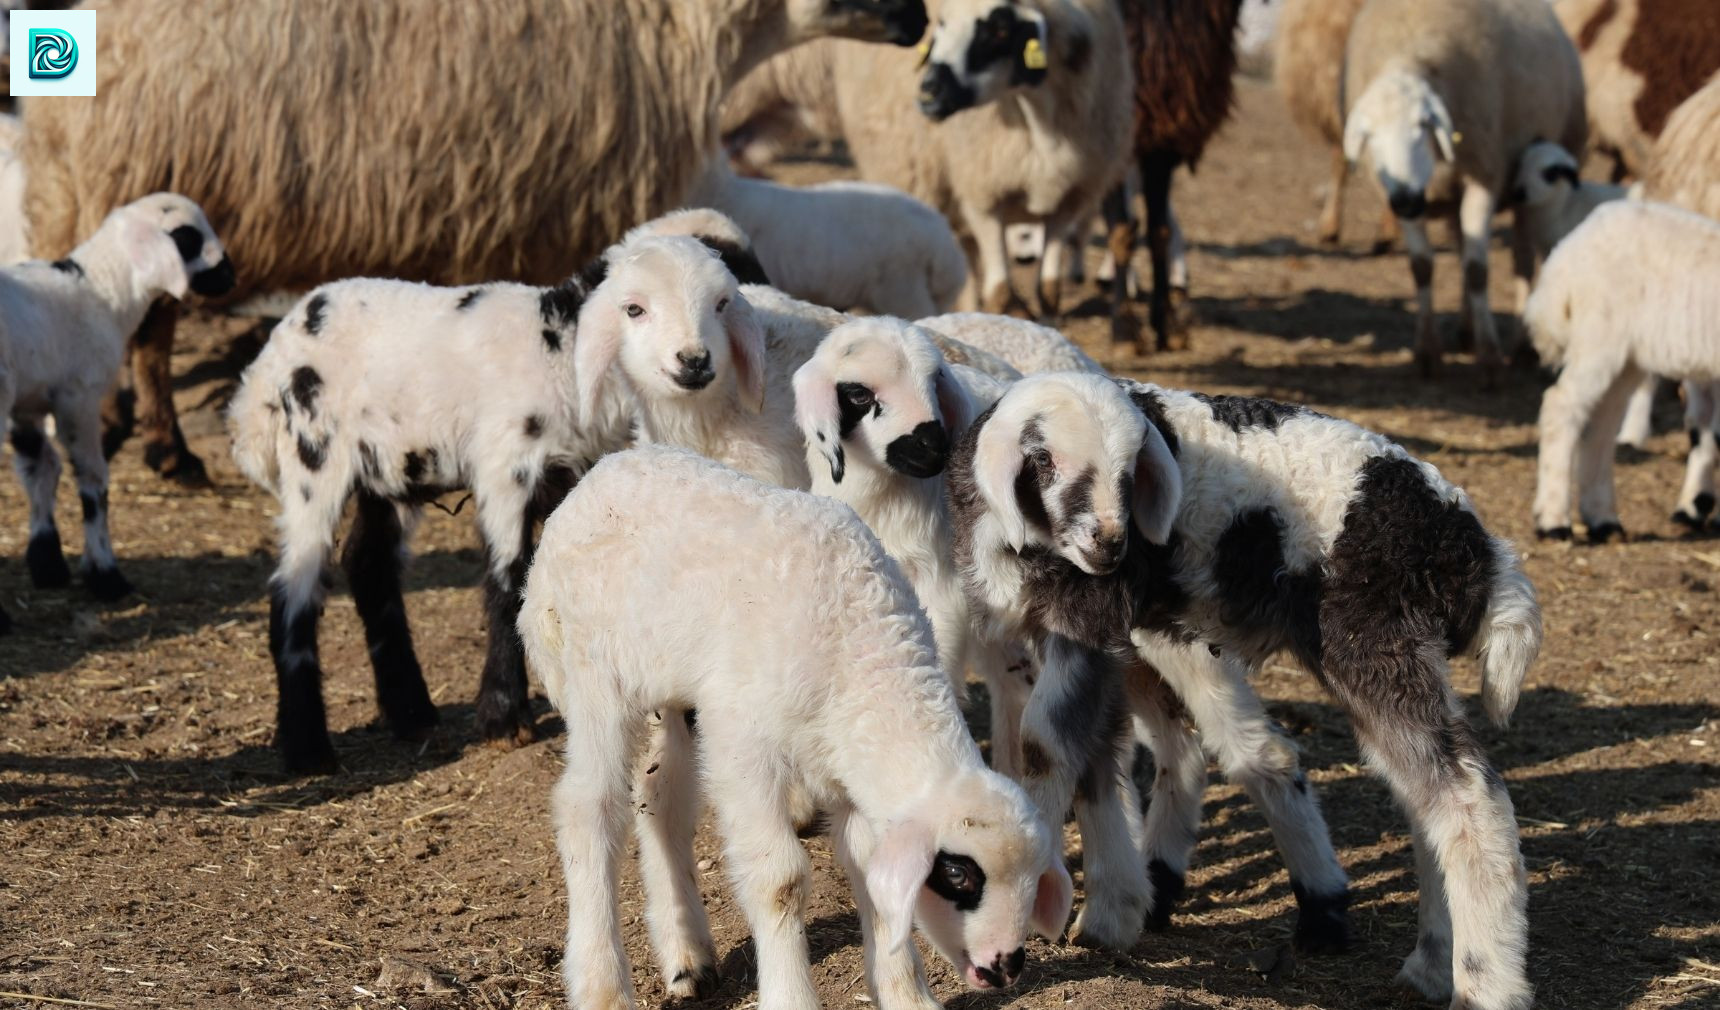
x,y
848,245
1027,346
1630,291
1442,99
396,392
603,145
1641,60
1198,536
62,335
823,683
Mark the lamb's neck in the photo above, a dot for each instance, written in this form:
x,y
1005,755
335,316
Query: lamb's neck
x,y
112,277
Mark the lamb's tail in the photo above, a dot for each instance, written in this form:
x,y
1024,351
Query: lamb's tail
x,y
1510,635
257,426
541,633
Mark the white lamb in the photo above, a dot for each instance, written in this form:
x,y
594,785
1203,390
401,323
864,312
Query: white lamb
x,y
1633,291
848,245
812,674
1029,347
63,328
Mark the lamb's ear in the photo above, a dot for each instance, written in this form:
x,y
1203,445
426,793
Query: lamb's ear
x,y
896,871
997,461
954,404
153,256
819,415
1052,900
1444,134
746,350
596,342
1031,48
1158,487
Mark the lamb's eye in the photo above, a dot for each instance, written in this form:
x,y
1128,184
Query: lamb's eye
x,y
858,395
634,311
957,877
1042,460
722,303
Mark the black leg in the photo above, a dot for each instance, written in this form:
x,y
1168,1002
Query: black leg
x,y
503,714
1156,171
301,724
373,561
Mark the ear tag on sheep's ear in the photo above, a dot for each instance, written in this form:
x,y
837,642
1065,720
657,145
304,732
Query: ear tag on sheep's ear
x,y
1033,55
1457,136
924,49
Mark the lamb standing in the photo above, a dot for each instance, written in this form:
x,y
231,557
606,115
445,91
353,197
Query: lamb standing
x,y
63,327
813,674
1442,99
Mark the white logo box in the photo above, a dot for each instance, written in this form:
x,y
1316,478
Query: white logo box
x,y
81,26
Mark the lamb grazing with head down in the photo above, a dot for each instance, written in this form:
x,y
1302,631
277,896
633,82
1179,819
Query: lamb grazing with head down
x,y
1200,535
63,327
398,392
813,674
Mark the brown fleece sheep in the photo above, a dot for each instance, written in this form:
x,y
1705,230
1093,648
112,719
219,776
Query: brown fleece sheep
x,y
1641,59
1684,167
436,141
1184,55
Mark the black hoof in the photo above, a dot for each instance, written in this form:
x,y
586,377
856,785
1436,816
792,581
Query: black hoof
x,y
308,754
1605,532
178,464
412,720
698,984
1556,533
1688,521
1322,921
5,621
107,584
1168,888
506,727
47,565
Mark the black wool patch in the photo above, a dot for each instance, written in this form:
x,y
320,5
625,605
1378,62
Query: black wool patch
x,y
534,425
313,453
740,260
315,310
305,386
469,299
559,306
1257,589
28,441
1239,412
552,340
413,467
68,266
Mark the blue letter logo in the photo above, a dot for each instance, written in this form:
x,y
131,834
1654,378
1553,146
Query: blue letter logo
x,y
53,54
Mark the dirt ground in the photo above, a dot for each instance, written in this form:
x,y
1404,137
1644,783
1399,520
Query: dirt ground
x,y
155,854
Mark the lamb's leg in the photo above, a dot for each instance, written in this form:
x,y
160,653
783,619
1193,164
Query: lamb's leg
x,y
1638,424
589,807
119,408
504,715
1595,458
1051,273
1416,738
1075,722
1156,171
375,553
1427,346
1701,416
164,447
995,294
295,606
1566,407
38,467
1008,670
896,980
80,430
1254,754
1120,243
1522,262
1172,826
666,815
1428,967
1332,212
1387,234
1107,810
770,869
1477,220
5,431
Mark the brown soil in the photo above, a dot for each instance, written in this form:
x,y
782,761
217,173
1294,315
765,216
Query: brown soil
x,y
156,855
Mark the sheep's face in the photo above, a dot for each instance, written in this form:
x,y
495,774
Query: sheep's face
x,y
1066,461
672,314
901,22
1403,129
978,872
1546,175
878,393
1025,243
979,50
172,248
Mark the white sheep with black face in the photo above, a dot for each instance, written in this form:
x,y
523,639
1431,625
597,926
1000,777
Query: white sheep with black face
x,y
813,675
1196,537
63,327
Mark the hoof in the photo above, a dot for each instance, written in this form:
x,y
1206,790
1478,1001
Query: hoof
x,y
506,730
177,463
1428,974
1556,533
1322,921
1692,523
1427,364
1168,888
47,565
1108,921
1381,246
5,622
695,983
413,722
1605,532
313,756
107,584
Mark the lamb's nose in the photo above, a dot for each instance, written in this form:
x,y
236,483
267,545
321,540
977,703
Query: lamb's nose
x,y
696,370
1013,965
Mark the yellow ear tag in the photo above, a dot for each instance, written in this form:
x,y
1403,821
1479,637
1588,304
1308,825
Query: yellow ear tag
x,y
925,51
1033,55
1456,137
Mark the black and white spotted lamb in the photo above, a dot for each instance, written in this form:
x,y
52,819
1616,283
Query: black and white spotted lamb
x,y
1128,526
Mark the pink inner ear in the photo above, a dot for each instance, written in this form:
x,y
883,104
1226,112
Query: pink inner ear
x,y
1052,901
953,403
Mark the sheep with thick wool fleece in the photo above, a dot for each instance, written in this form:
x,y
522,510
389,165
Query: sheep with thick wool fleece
x,y
1191,538
812,673
1632,291
63,327
848,245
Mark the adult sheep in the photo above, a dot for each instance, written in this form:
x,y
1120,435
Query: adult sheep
x,y
1641,60
1684,167
447,143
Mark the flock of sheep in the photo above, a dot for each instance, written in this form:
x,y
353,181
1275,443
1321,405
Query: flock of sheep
x,y
876,507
